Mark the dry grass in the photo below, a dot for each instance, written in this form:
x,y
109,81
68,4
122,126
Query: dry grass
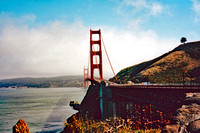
x,y
173,60
79,125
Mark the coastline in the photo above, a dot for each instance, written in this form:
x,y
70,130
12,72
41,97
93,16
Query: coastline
x,y
89,118
186,115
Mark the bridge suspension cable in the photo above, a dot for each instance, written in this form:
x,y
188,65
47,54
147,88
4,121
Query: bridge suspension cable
x,y
109,59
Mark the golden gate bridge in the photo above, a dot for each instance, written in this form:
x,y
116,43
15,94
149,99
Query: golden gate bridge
x,y
96,58
148,105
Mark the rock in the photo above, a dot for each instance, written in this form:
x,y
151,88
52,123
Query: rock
x,y
173,128
188,113
194,127
21,127
192,98
187,95
182,129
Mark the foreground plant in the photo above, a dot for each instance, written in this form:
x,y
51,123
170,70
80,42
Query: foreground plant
x,y
77,124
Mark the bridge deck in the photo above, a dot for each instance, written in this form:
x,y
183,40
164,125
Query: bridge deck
x,y
150,86
177,87
165,98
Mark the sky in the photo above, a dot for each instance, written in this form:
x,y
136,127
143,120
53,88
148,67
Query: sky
x,y
45,38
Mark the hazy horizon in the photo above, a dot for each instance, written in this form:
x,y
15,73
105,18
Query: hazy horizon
x,y
105,77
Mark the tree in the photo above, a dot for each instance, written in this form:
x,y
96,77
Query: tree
x,y
183,40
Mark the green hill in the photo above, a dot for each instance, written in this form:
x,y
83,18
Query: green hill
x,y
60,81
170,67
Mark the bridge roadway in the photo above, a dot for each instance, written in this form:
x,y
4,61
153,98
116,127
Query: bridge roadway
x,y
142,103
165,98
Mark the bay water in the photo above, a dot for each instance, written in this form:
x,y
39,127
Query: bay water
x,y
43,109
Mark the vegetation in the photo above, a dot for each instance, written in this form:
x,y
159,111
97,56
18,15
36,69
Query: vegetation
x,y
79,125
183,40
177,66
128,73
62,81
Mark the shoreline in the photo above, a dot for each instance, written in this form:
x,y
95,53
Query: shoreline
x,y
182,120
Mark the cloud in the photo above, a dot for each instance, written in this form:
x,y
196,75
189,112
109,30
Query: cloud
x,y
7,18
28,17
138,4
196,9
147,8
61,48
47,50
156,9
135,13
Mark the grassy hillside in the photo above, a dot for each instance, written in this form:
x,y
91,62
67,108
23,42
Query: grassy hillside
x,y
184,60
61,81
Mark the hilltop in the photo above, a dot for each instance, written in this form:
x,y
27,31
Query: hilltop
x,y
171,67
46,82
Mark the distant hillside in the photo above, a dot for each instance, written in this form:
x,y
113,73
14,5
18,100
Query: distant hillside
x,y
61,81
170,67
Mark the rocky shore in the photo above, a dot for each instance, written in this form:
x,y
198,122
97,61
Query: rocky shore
x,y
187,121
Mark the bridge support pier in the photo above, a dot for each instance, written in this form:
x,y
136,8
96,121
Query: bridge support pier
x,y
107,104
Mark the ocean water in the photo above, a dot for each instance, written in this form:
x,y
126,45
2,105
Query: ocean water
x,y
43,109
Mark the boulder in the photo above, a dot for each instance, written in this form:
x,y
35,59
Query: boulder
x,y
188,113
173,128
21,127
194,127
191,98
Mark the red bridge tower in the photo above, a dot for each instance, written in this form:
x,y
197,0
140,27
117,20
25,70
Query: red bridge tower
x,y
86,75
95,53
